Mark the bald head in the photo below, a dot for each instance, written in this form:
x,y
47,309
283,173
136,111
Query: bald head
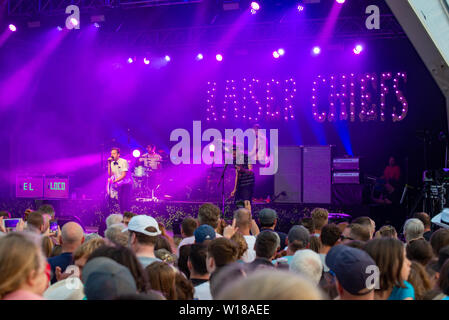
x,y
72,234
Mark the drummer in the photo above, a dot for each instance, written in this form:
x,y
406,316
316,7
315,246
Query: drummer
x,y
151,159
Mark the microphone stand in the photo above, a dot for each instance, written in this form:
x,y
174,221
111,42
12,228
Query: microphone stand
x,y
223,187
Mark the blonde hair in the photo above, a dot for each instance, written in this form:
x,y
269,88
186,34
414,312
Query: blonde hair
x,y
320,217
86,249
239,239
21,254
271,285
47,246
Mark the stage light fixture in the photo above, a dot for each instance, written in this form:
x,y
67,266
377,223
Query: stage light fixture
x,y
255,6
358,49
13,28
341,1
212,148
199,56
281,51
146,61
219,57
276,54
136,153
97,25
74,22
167,58
316,50
59,28
300,8
130,60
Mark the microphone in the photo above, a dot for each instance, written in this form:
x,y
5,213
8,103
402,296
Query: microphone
x,y
109,159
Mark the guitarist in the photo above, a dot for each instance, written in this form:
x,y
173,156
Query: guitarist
x,y
119,179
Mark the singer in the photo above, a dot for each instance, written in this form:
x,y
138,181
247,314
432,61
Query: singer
x,y
120,182
244,179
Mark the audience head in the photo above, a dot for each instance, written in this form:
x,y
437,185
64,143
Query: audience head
x,y
83,252
420,251
355,244
204,234
352,268
184,287
23,265
113,219
389,255
330,235
413,229
308,224
188,226
267,218
319,218
115,235
220,252
355,231
387,231
439,240
231,272
209,214
35,220
166,256
443,281
267,243
243,219
91,236
183,257
443,256
367,222
307,263
105,279
125,257
271,284
242,245
298,238
197,260
72,236
162,278
143,232
162,243
419,279
127,216
424,218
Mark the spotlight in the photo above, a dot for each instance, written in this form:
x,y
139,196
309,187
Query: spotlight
x,y
219,57
316,50
136,153
300,8
167,58
341,1
74,22
281,52
146,61
97,25
276,54
358,49
13,28
199,56
130,60
212,148
59,28
254,7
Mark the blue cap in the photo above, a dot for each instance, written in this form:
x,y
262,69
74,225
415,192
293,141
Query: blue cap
x,y
204,232
352,267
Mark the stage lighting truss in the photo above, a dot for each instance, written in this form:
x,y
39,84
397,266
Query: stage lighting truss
x,y
54,7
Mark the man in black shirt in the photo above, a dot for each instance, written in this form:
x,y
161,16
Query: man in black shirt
x,y
268,221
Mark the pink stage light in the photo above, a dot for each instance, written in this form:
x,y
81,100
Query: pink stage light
x,y
255,6
199,56
130,60
341,1
281,52
219,57
136,153
212,148
276,54
316,50
146,61
300,8
358,49
13,28
167,58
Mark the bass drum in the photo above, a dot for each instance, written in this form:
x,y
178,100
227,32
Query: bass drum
x,y
139,171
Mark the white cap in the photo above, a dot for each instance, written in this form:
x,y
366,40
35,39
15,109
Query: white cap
x,y
68,289
442,219
140,223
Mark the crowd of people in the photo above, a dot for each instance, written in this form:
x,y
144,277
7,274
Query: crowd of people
x,y
246,259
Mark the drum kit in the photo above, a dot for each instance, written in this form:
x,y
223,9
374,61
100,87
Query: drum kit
x,y
146,181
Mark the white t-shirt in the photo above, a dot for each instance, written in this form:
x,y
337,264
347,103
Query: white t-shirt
x,y
202,292
323,261
250,253
118,167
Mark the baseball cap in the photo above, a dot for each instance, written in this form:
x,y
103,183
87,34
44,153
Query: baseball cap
x,y
105,279
68,289
350,266
442,219
299,233
140,223
267,216
204,232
